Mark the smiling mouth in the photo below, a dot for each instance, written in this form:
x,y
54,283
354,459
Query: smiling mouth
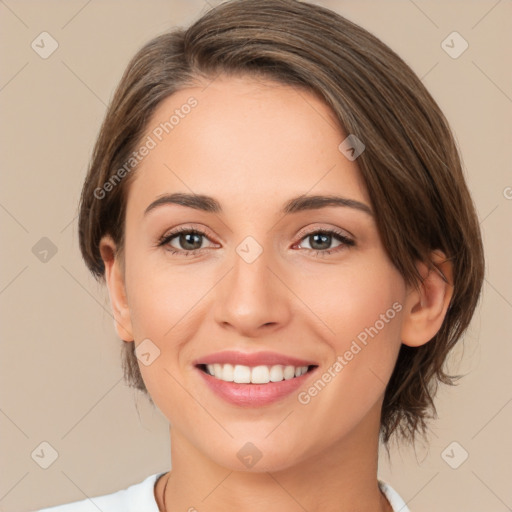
x,y
262,374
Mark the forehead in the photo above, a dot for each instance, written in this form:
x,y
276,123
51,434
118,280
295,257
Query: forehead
x,y
246,142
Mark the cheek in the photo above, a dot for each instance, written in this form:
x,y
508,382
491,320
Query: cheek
x,y
161,295
361,309
370,339
156,303
364,313
355,297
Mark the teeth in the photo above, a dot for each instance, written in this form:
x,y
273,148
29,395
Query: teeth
x,y
260,374
256,375
276,373
289,372
242,374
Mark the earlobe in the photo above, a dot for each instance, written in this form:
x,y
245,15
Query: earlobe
x,y
116,288
425,309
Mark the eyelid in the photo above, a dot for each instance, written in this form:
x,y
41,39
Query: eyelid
x,y
174,232
342,232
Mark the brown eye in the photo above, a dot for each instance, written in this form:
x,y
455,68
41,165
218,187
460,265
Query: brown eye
x,y
321,240
189,241
184,241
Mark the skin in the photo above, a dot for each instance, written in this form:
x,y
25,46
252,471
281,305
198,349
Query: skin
x,y
253,145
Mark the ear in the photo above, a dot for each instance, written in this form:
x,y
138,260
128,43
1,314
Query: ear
x,y
114,276
425,310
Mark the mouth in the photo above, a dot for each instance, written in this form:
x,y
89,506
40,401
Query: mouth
x,y
253,379
261,374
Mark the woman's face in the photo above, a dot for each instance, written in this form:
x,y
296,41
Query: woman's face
x,y
259,278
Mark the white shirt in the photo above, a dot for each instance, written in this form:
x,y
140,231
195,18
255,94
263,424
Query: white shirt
x,y
140,497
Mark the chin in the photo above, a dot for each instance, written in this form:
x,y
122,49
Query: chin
x,y
256,456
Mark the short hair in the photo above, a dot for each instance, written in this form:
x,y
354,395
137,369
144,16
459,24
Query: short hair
x,y
410,166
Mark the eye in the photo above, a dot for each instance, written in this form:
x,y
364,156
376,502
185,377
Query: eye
x,y
189,241
319,241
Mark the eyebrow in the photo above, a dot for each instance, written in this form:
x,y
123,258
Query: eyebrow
x,y
297,204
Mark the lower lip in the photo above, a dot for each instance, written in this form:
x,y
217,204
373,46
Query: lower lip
x,y
253,395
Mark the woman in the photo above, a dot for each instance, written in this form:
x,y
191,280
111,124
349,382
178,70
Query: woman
x,y
277,207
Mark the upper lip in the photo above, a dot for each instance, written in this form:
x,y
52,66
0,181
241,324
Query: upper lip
x,y
252,359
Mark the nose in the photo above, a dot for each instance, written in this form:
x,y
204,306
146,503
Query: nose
x,y
253,298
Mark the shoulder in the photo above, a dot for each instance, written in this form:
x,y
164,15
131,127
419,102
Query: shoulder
x,y
395,500
139,496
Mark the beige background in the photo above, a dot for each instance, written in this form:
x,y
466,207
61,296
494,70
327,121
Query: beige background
x,y
61,379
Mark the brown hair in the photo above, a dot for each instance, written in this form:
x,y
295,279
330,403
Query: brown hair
x,y
410,166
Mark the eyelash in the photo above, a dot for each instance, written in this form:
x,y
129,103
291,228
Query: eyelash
x,y
346,242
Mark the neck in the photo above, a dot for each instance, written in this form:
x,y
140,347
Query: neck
x,y
341,478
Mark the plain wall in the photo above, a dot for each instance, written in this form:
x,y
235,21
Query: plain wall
x,y
61,377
